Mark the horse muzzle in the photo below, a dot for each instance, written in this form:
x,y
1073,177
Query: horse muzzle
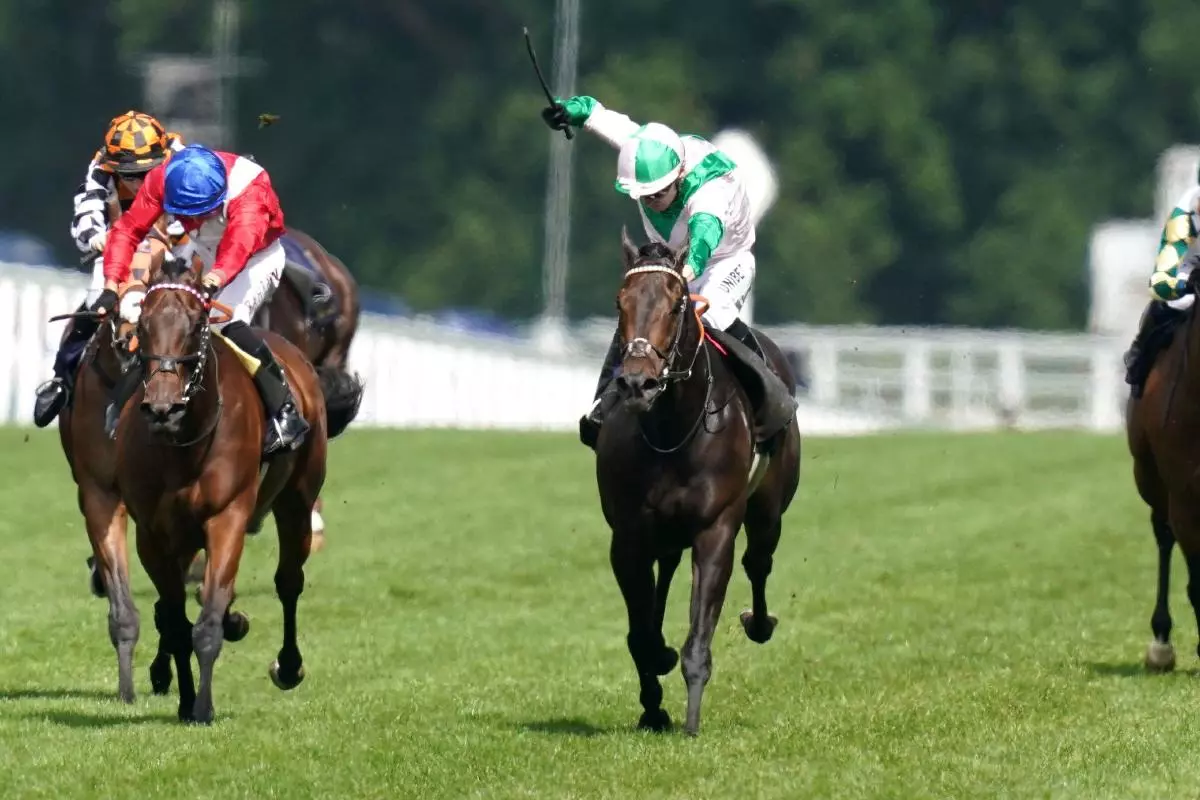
x,y
164,417
639,390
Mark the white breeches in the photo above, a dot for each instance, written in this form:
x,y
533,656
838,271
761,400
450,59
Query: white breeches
x,y
255,284
725,284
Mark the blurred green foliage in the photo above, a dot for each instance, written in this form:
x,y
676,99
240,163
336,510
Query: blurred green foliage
x,y
939,162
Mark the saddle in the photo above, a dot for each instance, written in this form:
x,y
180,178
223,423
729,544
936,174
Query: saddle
x,y
773,401
305,275
1157,330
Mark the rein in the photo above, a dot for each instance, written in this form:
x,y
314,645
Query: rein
x,y
639,346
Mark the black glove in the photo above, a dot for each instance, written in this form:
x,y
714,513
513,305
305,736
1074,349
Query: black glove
x,y
106,302
556,117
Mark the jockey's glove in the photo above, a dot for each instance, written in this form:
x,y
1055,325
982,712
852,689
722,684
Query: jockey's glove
x,y
105,303
98,241
209,285
556,116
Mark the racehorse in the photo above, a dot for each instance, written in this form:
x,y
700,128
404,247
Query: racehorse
x,y
188,462
703,441
91,456
320,320
1162,429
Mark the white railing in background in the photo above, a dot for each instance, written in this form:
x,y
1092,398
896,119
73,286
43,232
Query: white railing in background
x,y
854,380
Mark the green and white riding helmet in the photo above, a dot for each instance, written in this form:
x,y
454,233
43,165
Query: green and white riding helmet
x,y
649,161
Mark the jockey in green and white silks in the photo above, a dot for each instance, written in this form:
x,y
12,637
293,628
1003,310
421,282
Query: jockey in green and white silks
x,y
688,193
1169,290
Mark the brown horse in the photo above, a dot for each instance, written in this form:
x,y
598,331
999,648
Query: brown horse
x,y
188,460
704,441
91,456
1162,428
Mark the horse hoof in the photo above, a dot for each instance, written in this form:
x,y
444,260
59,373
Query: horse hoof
x,y
235,626
1160,657
160,676
756,632
657,720
281,681
667,661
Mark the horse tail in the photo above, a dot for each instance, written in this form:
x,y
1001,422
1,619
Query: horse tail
x,y
343,394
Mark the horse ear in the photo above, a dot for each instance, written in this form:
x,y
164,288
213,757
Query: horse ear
x,y
681,256
628,249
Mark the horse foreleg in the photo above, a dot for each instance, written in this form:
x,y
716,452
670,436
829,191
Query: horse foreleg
x,y
224,536
634,571
170,618
1160,655
293,521
104,515
712,564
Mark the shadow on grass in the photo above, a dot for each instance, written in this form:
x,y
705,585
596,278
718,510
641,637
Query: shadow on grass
x,y
563,726
79,719
1131,670
57,694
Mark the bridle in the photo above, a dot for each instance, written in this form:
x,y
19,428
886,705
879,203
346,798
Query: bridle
x,y
171,364
639,347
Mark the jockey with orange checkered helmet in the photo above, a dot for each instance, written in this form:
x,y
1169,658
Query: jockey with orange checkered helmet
x,y
134,144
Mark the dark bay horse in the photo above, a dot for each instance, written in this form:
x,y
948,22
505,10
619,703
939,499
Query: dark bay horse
x,y
323,330
702,443
188,467
1163,434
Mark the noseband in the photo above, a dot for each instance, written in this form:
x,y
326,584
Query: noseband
x,y
170,364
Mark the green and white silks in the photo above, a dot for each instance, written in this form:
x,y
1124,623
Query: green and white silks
x,y
711,214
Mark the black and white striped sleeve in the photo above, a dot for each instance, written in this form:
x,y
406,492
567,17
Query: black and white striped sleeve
x,y
91,198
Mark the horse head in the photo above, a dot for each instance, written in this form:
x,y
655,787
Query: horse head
x,y
173,330
651,305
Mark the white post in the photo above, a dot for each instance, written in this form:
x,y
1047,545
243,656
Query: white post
x,y
550,331
917,402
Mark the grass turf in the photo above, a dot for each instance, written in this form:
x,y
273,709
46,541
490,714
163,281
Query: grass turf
x,y
960,616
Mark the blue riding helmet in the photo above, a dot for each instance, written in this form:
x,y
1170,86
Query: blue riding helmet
x,y
195,182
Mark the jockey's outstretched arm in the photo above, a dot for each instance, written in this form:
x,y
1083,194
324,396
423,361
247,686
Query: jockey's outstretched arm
x,y
1178,233
91,199
131,228
591,115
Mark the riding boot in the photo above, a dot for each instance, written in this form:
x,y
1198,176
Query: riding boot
x,y
286,427
1139,358
605,397
126,385
746,336
53,395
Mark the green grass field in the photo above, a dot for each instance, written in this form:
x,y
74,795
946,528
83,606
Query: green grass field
x,y
960,616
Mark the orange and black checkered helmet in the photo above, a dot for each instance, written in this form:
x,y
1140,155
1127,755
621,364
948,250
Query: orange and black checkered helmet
x,y
135,143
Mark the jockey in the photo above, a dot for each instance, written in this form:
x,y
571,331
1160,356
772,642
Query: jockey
x,y
134,144
688,193
1169,288
229,210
